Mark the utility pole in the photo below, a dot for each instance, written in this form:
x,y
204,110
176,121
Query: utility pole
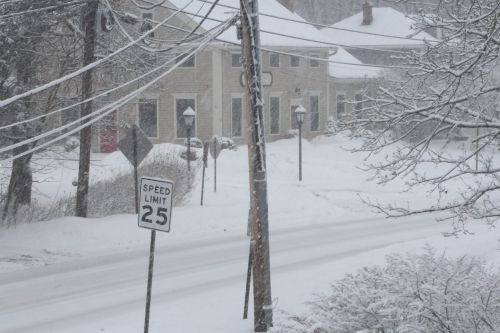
x,y
89,21
257,164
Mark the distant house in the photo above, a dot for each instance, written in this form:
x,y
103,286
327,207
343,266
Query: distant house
x,y
373,33
349,80
374,36
211,82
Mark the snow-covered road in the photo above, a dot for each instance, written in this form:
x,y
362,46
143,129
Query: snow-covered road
x,y
108,292
89,275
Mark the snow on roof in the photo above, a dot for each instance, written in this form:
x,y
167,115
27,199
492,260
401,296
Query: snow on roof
x,y
386,21
343,71
272,7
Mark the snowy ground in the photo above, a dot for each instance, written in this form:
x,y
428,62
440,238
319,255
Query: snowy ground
x,y
74,275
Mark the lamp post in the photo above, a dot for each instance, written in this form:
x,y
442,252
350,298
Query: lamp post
x,y
300,113
189,115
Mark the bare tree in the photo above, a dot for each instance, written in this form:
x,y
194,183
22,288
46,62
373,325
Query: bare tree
x,y
33,49
450,89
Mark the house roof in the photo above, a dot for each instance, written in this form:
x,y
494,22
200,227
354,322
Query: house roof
x,y
272,7
386,21
343,71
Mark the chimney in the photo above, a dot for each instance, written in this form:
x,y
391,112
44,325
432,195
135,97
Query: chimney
x,y
367,13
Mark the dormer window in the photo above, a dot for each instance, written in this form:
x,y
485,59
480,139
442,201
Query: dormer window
x,y
236,60
274,60
314,61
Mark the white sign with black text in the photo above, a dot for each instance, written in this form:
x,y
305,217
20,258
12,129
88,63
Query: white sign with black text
x,y
155,203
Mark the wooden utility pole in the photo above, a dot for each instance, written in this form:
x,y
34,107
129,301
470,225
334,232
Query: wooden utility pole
x,y
89,21
257,164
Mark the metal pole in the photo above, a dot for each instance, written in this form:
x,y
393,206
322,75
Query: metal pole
x,y
249,279
202,184
205,160
189,148
136,180
150,279
300,151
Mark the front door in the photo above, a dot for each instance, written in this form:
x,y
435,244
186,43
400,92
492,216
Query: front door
x,y
108,134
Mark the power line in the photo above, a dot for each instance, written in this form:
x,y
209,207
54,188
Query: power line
x,y
105,93
14,1
116,104
37,10
60,128
296,37
315,24
129,37
12,99
300,55
203,19
335,61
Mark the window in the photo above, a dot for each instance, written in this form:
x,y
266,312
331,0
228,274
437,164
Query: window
x,y
236,116
274,106
188,63
358,105
236,60
294,61
148,117
293,117
340,106
147,24
314,62
181,104
314,107
274,60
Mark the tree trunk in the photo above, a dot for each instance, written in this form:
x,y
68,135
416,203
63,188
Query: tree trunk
x,y
20,184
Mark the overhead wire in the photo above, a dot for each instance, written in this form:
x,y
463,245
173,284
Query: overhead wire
x,y
129,37
105,93
317,41
316,24
304,56
37,10
116,104
6,2
48,85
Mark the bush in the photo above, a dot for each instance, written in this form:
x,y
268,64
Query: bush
x,y
194,143
227,143
412,293
114,195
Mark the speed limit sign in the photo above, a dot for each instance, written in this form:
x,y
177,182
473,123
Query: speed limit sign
x,y
155,203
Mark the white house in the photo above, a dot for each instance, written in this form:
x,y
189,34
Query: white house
x,y
211,82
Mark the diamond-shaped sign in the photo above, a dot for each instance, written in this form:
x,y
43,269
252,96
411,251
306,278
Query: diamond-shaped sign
x,y
135,145
215,147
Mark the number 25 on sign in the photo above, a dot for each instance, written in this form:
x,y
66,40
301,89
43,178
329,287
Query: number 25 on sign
x,y
155,204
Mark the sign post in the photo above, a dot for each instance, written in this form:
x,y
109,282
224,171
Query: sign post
x,y
155,212
205,162
215,148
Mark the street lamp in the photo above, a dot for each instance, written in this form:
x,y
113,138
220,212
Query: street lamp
x,y
300,113
189,115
